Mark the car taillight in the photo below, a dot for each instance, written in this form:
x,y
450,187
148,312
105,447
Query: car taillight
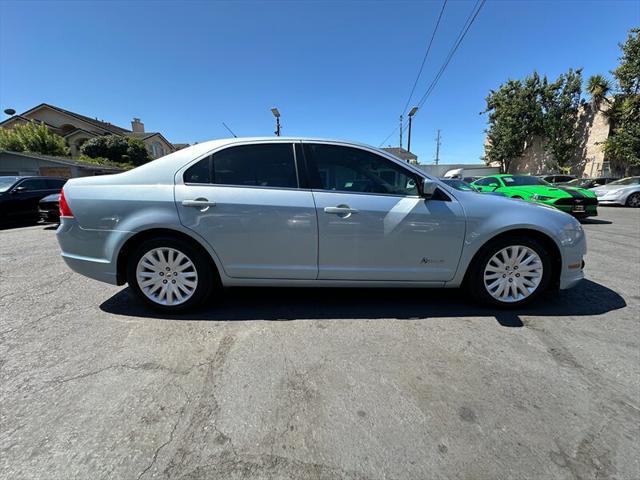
x,y
65,211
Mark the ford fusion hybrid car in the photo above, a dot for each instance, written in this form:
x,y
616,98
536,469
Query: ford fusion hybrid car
x,y
303,212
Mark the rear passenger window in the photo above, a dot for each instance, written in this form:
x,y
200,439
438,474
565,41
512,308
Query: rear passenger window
x,y
267,165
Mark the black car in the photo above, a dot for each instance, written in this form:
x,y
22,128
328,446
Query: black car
x,y
19,196
49,208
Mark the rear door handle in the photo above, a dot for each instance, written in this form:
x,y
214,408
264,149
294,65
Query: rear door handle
x,y
340,210
198,203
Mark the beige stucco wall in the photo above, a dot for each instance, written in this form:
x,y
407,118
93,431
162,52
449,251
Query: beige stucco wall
x,y
593,130
148,142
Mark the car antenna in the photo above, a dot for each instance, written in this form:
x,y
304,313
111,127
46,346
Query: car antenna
x,y
225,126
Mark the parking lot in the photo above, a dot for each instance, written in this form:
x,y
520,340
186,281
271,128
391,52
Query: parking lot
x,y
356,384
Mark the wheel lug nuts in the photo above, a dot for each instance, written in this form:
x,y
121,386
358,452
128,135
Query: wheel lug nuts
x,y
168,269
164,281
510,280
173,281
504,276
175,274
161,274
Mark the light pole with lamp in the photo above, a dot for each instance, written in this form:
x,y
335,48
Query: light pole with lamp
x,y
276,114
411,114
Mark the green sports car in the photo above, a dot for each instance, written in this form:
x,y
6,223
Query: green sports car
x,y
578,202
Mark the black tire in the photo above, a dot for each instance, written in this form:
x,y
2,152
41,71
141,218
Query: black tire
x,y
633,200
475,278
206,278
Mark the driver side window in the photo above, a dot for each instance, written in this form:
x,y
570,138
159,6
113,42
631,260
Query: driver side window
x,y
346,169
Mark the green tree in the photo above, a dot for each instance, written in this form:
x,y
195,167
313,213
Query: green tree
x,y
32,137
116,149
622,148
515,116
137,152
598,88
560,108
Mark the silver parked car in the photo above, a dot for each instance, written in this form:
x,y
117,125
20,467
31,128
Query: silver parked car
x,y
302,212
621,192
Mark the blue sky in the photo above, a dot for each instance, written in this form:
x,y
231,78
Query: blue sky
x,y
339,69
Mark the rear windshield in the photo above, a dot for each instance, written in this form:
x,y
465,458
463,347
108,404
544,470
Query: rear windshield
x,y
6,182
522,180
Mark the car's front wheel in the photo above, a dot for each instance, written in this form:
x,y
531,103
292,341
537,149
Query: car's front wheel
x,y
511,272
169,275
633,200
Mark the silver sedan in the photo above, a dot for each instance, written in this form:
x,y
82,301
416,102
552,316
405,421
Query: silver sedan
x,y
304,212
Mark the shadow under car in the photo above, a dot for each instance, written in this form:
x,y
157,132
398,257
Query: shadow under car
x,y
270,303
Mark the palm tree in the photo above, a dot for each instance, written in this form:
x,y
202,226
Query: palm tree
x,y
598,87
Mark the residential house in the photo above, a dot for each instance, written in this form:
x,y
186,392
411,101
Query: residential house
x,y
77,129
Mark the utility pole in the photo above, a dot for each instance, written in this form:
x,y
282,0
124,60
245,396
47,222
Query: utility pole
x,y
438,147
400,131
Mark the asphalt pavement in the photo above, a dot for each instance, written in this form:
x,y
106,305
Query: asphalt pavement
x,y
322,384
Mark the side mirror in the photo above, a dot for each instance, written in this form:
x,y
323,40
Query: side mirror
x,y
428,188
18,189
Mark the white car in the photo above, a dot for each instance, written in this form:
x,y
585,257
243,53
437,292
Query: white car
x,y
621,192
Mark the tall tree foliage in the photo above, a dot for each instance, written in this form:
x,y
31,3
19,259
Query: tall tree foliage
x,y
622,148
560,108
522,109
32,137
116,149
515,116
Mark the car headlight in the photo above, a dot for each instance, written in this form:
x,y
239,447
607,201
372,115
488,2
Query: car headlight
x,y
571,233
541,197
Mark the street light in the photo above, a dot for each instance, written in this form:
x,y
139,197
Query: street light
x,y
411,114
10,111
276,114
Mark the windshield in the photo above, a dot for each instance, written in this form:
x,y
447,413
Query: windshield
x,y
522,180
577,181
6,182
627,181
459,184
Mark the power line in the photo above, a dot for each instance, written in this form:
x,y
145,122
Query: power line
x,y
424,59
461,35
463,32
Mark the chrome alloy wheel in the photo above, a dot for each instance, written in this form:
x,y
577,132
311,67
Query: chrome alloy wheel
x,y
513,273
167,276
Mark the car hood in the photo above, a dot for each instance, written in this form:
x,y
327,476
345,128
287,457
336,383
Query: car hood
x,y
612,187
54,197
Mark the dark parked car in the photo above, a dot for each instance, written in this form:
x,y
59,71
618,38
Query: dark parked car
x,y
557,178
589,182
49,208
19,196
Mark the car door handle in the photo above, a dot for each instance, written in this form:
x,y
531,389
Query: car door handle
x,y
198,203
340,210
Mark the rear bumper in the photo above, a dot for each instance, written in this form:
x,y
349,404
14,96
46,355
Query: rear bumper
x,y
95,268
88,252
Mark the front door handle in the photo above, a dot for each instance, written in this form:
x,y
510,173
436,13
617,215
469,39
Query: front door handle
x,y
343,211
201,203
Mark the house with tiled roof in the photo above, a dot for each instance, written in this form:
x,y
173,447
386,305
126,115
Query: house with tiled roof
x,y
77,129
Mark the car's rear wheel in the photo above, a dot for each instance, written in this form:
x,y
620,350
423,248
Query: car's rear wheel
x,y
169,275
633,200
511,272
